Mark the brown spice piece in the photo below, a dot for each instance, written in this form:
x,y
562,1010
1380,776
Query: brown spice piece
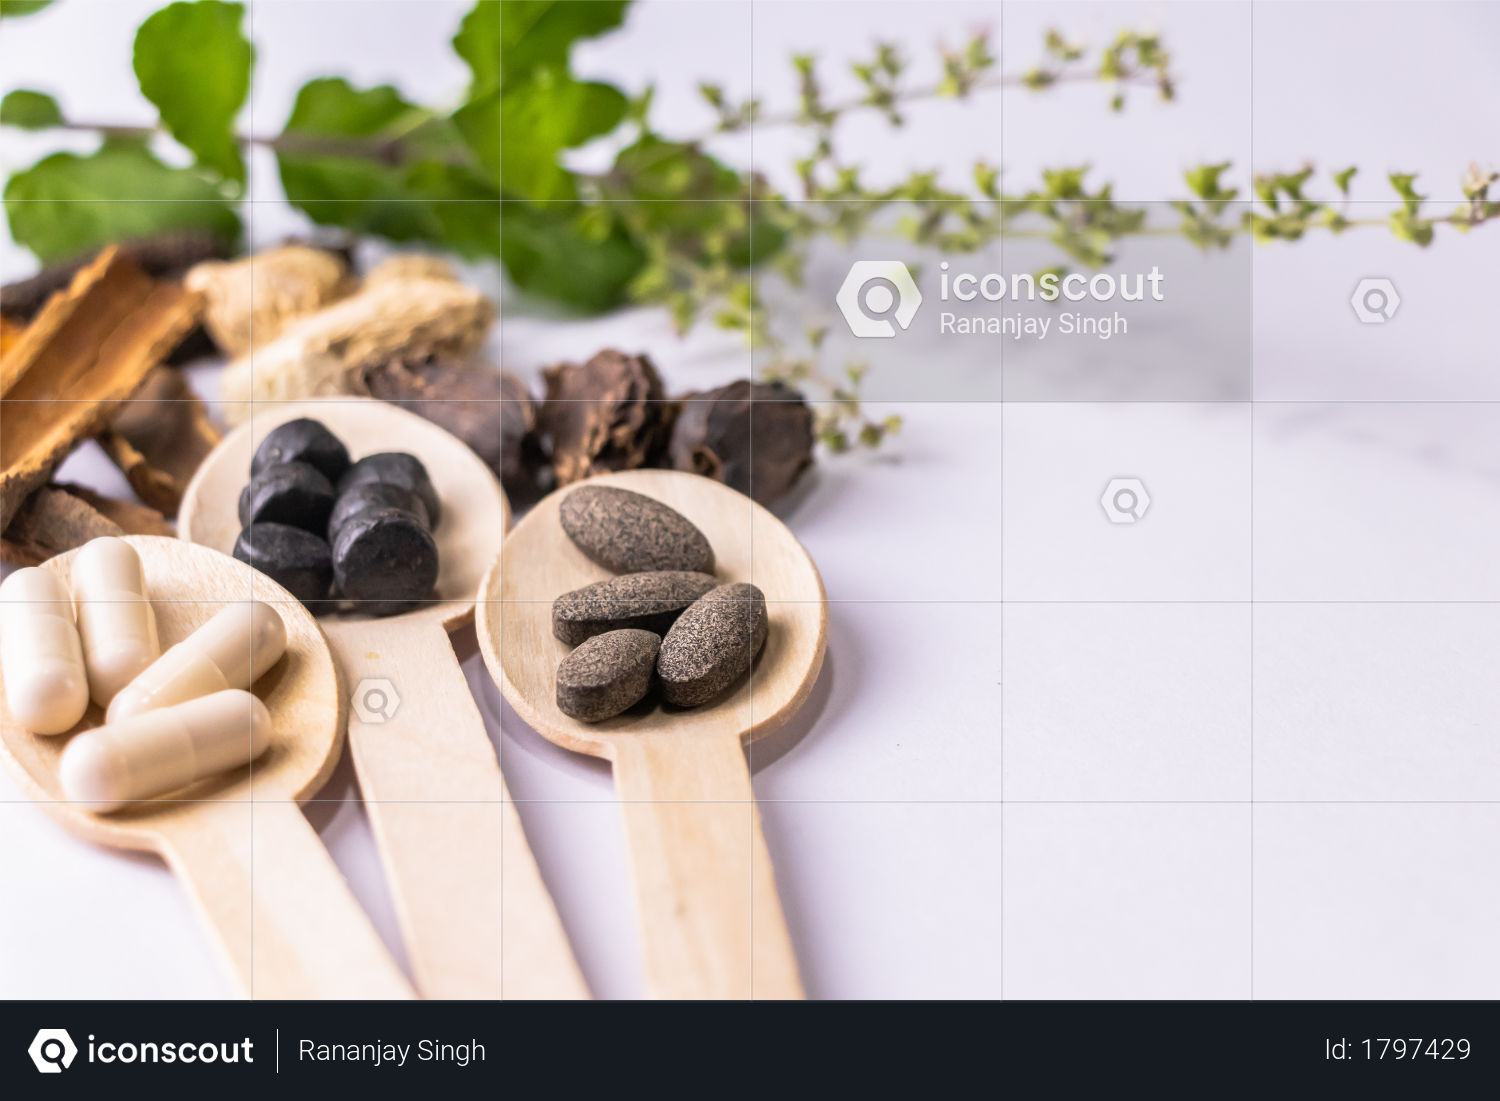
x,y
251,302
712,644
133,518
631,533
489,410
88,349
642,601
325,353
159,437
10,334
163,256
610,413
58,518
754,437
606,675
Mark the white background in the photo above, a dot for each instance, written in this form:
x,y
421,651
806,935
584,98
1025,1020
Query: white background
x,y
1246,747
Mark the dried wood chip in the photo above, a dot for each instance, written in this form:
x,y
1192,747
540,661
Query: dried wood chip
x,y
88,349
132,518
754,437
163,256
62,516
10,334
159,437
610,413
52,521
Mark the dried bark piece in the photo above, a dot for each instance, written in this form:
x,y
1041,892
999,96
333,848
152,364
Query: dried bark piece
x,y
60,517
159,437
608,414
52,521
251,302
324,354
163,256
489,410
86,352
133,518
10,334
761,453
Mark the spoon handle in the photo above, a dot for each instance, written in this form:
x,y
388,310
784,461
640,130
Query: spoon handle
x,y
710,917
475,915
277,905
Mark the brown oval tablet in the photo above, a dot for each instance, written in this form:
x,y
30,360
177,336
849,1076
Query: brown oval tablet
x,y
712,643
632,533
607,674
642,601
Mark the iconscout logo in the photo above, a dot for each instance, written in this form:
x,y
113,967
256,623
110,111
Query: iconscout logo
x,y
864,297
52,1050
877,289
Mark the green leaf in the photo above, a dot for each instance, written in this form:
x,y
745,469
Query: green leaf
x,y
478,43
194,64
478,121
333,106
1403,183
66,204
539,120
361,196
537,34
546,255
30,110
21,7
1342,179
1203,181
367,193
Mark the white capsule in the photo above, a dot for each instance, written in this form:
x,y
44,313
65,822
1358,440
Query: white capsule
x,y
115,617
231,650
46,685
163,750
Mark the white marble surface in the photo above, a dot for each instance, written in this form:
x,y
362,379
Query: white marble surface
x,y
1244,747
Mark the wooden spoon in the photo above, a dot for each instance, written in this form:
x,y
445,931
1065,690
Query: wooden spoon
x,y
474,913
710,919
279,910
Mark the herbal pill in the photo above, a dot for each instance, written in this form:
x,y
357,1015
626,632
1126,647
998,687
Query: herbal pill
x,y
46,685
163,750
395,468
630,533
386,560
115,619
373,495
299,561
643,601
606,675
712,644
231,650
302,441
289,493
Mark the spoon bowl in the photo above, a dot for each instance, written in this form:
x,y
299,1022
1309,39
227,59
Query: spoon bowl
x,y
451,844
710,918
309,935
